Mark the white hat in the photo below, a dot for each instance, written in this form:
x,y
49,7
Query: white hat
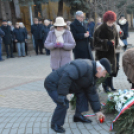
x,y
59,22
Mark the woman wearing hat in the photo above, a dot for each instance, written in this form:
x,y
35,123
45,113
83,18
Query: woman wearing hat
x,y
60,42
106,40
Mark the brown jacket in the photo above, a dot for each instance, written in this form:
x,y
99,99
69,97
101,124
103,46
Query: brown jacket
x,y
102,35
128,64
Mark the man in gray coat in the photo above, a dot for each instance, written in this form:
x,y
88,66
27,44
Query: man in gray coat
x,y
1,35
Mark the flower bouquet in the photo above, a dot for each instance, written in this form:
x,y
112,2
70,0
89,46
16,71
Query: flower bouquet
x,y
122,103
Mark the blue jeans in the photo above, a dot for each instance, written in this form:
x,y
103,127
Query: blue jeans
x,y
21,48
0,51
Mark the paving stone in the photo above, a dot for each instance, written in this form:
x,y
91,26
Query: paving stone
x,y
14,131
84,131
75,131
36,131
93,131
6,131
21,131
73,125
103,132
29,130
44,130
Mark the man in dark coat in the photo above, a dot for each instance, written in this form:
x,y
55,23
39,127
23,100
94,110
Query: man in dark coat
x,y
47,26
7,39
81,36
78,77
38,33
1,35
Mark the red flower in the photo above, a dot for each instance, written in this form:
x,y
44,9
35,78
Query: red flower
x,y
109,16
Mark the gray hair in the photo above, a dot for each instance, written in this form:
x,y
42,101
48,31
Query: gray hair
x,y
78,13
9,22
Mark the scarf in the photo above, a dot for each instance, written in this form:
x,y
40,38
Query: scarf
x,y
59,37
122,22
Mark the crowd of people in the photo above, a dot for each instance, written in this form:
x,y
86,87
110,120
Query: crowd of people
x,y
107,38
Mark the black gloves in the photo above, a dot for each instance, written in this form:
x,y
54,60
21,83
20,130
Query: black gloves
x,y
110,44
62,99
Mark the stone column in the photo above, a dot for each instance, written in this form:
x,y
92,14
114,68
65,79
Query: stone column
x,y
17,9
2,8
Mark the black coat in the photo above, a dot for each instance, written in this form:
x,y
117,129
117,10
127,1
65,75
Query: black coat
x,y
19,34
7,39
74,77
124,28
46,29
82,49
102,35
38,31
1,35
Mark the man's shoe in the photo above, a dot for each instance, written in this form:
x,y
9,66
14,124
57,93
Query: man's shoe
x,y
57,128
81,118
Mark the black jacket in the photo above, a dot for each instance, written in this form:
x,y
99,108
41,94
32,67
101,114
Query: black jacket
x,y
38,31
47,29
74,77
124,28
1,35
82,49
7,39
19,34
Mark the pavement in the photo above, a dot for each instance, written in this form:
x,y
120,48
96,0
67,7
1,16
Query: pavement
x,y
26,108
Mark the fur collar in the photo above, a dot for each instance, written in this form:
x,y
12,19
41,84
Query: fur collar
x,y
122,22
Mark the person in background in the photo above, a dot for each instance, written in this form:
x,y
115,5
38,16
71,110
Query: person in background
x,y
9,23
38,33
1,35
19,36
106,40
119,47
60,42
47,26
68,23
123,23
128,65
90,28
99,22
7,39
78,77
21,24
81,36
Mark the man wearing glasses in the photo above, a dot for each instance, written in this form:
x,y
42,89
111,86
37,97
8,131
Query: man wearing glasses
x,y
81,36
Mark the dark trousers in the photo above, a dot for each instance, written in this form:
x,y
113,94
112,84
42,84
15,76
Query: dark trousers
x,y
118,59
60,110
38,44
47,51
7,47
26,48
81,103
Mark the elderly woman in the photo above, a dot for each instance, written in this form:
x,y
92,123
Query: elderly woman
x,y
128,65
106,40
60,42
47,26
